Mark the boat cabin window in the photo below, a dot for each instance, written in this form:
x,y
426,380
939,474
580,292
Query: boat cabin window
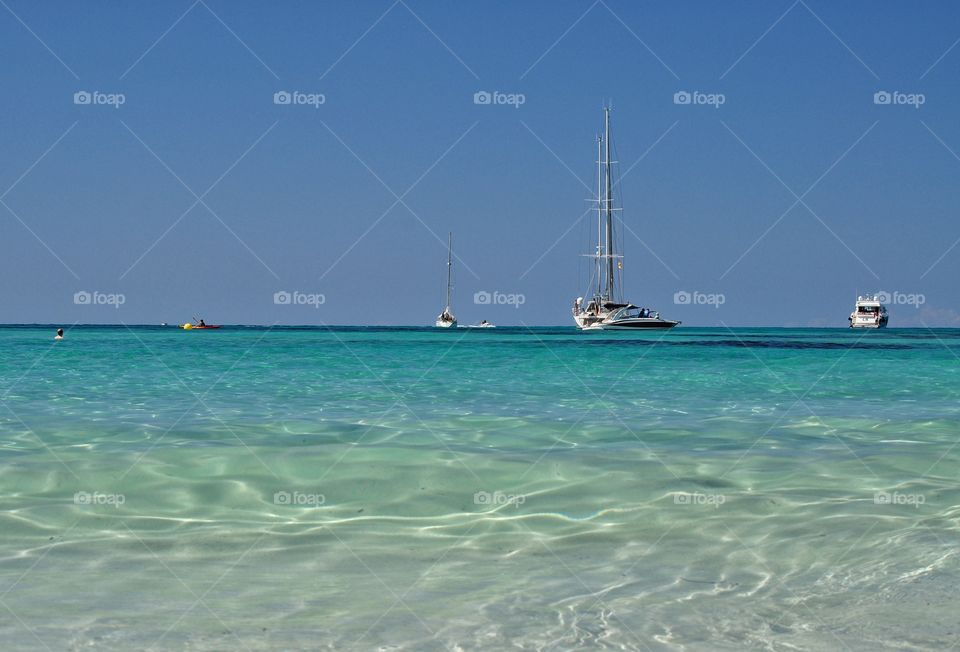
x,y
633,313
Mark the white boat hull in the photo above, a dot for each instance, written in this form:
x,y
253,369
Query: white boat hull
x,y
446,319
635,324
587,322
869,313
868,324
617,320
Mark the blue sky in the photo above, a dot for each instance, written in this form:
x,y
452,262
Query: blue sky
x,y
199,195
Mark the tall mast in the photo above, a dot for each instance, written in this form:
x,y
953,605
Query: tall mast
x,y
599,215
608,200
449,265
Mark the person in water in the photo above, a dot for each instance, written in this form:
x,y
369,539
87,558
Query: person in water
x,y
59,334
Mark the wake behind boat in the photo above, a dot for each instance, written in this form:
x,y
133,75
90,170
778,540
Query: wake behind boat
x,y
607,310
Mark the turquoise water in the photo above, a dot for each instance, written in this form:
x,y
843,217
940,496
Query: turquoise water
x,y
406,489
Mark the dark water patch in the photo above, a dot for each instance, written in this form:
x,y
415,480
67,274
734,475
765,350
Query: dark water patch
x,y
792,344
734,343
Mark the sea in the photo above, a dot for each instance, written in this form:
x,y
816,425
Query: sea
x,y
351,488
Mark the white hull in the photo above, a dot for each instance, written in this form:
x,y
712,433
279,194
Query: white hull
x,y
630,325
882,324
635,324
445,324
624,318
587,322
869,313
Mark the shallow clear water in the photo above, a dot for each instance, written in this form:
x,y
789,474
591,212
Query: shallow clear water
x,y
476,490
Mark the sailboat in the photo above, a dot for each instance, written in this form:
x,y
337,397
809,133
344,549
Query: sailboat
x,y
606,309
446,319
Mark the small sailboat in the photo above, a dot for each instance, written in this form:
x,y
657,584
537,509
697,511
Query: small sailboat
x,y
446,319
607,310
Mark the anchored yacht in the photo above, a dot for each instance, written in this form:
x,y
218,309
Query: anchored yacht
x,y
868,313
606,309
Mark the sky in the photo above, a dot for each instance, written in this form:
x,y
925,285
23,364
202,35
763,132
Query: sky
x,y
151,169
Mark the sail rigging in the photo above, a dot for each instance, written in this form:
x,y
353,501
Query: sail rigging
x,y
607,308
446,318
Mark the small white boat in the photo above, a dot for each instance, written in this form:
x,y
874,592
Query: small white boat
x,y
483,324
606,309
630,317
868,313
446,319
